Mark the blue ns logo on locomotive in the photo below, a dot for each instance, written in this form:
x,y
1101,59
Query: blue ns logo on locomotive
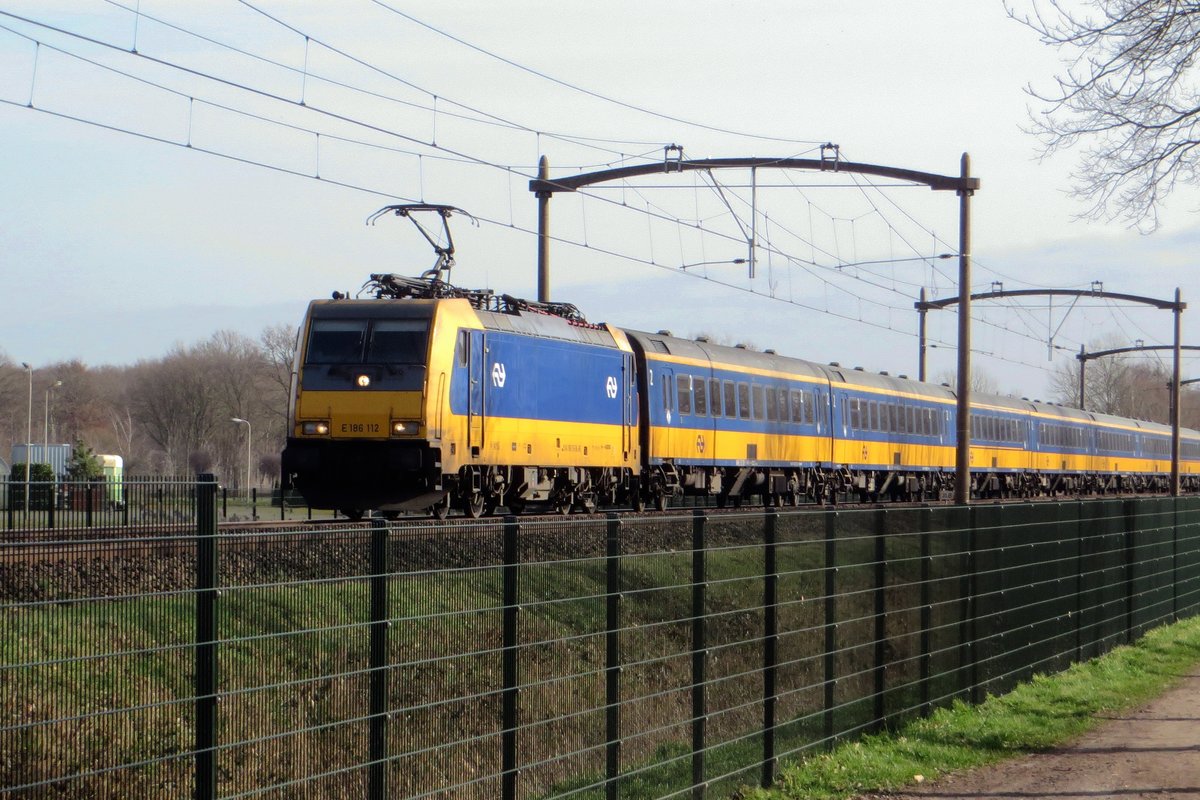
x,y
542,379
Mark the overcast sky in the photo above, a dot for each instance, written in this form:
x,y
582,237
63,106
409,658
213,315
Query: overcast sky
x,y
119,240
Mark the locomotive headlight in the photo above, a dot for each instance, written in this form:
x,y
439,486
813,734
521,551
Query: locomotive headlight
x,y
363,381
315,428
405,428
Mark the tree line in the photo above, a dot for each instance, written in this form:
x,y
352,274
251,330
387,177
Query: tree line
x,y
164,416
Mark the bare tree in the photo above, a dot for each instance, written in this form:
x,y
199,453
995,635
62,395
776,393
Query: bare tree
x,y
1127,93
1115,385
279,348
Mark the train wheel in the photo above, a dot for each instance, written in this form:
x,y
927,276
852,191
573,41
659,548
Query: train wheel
x,y
638,502
515,505
563,506
353,514
586,504
473,505
660,502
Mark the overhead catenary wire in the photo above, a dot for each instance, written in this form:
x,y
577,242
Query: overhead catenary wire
x,y
455,155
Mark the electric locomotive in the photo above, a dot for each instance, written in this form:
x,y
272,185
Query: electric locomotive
x,y
430,397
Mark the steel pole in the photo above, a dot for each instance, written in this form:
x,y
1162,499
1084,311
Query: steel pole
x,y
1082,376
921,312
28,439
962,456
249,440
543,251
1175,398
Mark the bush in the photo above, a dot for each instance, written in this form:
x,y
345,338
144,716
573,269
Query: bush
x,y
41,486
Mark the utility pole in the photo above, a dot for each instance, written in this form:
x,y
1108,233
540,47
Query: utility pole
x,y
962,455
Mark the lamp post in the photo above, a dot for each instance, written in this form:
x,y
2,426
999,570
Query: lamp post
x,y
28,436
249,438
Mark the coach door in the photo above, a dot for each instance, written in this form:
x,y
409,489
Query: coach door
x,y
628,412
477,368
665,396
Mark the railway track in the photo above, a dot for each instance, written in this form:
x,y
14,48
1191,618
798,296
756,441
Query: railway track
x,y
48,546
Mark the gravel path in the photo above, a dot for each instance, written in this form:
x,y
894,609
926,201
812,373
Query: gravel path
x,y
1152,751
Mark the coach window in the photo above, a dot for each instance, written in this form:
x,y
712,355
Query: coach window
x,y
772,405
758,401
743,400
666,395
730,391
684,393
700,401
797,405
714,396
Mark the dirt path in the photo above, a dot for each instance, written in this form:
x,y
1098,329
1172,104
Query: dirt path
x,y
1152,751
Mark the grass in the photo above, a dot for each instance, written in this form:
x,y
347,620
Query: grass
x,y
292,676
1036,716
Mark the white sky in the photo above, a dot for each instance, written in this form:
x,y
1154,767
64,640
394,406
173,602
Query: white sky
x,y
114,247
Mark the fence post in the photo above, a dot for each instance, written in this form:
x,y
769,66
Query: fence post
x,y
508,736
206,637
1130,546
965,521
1079,582
974,696
1175,559
926,606
254,503
612,658
87,498
830,621
699,655
880,676
380,621
770,643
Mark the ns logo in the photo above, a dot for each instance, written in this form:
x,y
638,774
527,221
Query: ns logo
x,y
498,375
610,388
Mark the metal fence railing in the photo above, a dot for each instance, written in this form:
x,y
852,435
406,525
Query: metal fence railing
x,y
135,504
586,658
130,502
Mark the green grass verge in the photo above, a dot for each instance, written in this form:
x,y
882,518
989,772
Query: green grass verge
x,y
1035,716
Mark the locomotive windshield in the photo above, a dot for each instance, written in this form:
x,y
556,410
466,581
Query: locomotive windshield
x,y
380,341
400,341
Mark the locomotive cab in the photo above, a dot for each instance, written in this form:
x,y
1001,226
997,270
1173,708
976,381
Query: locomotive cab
x,y
358,430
